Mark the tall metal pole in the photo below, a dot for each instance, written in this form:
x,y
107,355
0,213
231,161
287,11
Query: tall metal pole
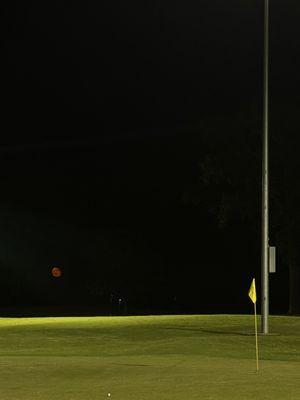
x,y
265,182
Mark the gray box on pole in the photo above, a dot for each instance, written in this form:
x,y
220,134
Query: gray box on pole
x,y
272,259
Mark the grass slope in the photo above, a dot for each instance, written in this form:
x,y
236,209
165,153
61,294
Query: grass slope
x,y
149,357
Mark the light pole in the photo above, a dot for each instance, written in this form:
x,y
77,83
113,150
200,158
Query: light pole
x,y
265,182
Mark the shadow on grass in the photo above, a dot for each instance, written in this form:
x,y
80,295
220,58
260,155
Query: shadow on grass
x,y
131,365
210,331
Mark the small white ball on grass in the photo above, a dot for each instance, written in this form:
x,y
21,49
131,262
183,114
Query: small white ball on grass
x,y
108,394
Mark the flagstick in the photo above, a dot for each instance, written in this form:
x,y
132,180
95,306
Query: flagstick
x,y
256,340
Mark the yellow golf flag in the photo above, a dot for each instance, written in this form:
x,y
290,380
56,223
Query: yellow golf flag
x,y
252,295
252,292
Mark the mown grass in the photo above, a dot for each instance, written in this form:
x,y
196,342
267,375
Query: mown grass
x,y
149,357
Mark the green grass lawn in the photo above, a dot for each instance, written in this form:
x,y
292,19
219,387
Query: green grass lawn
x,y
150,357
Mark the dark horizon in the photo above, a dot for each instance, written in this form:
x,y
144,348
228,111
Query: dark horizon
x,y
131,154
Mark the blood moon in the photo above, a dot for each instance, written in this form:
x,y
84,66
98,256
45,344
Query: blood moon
x,y
56,272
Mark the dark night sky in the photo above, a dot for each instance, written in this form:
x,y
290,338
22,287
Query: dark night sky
x,y
123,67
108,111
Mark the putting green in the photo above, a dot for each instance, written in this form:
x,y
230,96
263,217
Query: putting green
x,y
150,357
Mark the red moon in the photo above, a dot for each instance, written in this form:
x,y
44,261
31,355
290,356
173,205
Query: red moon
x,y
56,272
